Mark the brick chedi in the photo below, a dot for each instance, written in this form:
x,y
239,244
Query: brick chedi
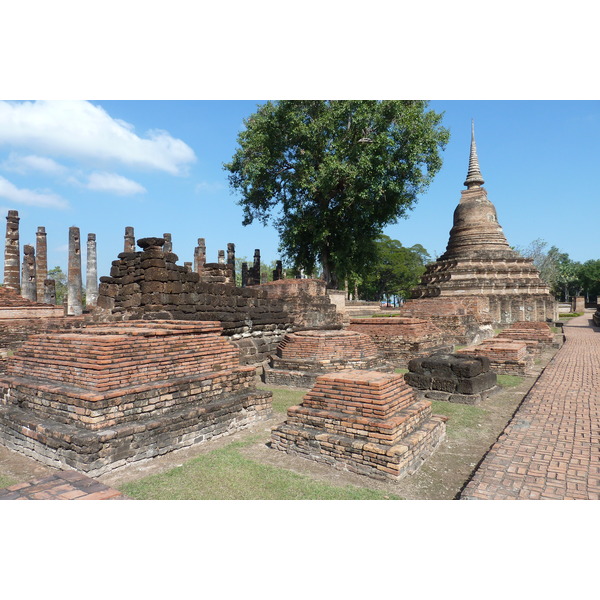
x,y
479,263
366,422
112,394
302,356
399,339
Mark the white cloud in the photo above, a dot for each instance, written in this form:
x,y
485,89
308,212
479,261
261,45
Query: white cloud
x,y
9,191
81,130
208,187
111,182
25,164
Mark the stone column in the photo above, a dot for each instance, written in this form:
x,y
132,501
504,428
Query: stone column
x,y
168,247
231,261
28,279
200,255
244,274
129,245
221,258
74,306
49,291
91,279
41,261
188,266
278,272
12,279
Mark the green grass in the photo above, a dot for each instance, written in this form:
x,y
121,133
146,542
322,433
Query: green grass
x,y
226,474
284,398
509,380
399,370
462,418
6,482
569,315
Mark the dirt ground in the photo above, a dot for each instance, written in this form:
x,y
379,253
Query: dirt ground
x,y
441,477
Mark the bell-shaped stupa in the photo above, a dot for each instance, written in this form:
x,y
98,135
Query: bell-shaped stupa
x,y
479,263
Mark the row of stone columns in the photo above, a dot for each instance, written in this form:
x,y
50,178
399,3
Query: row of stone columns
x,y
31,280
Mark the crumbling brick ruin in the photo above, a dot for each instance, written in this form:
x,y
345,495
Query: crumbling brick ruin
x,y
399,339
452,378
506,357
479,263
302,356
108,395
366,422
149,284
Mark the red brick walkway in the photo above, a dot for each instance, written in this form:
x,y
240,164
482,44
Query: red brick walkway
x,y
64,485
551,447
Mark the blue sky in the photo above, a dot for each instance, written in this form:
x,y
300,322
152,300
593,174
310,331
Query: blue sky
x,y
157,166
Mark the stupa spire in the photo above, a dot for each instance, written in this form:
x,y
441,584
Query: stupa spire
x,y
474,177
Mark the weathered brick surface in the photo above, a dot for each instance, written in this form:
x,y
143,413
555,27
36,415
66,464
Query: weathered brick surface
x,y
64,485
399,339
462,320
367,422
304,355
108,395
506,357
551,447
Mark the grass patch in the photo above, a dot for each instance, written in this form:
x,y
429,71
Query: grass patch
x,y
462,418
226,474
283,398
6,482
400,370
569,315
459,347
509,380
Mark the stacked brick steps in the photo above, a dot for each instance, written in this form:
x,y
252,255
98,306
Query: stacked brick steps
x,y
301,357
399,339
506,357
367,422
101,411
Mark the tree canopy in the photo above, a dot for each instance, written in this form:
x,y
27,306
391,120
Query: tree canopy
x,y
331,174
395,271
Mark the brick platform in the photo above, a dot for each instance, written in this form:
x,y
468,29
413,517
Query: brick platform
x,y
301,357
367,422
65,485
105,396
399,339
532,331
507,357
551,447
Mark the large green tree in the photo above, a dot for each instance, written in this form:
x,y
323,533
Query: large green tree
x,y
331,174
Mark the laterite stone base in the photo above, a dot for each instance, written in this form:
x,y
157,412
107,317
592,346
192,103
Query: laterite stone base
x,y
367,422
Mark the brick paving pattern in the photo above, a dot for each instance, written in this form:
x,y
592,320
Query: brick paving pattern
x,y
64,485
551,447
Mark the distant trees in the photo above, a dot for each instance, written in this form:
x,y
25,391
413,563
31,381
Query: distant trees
x,y
394,270
60,280
565,277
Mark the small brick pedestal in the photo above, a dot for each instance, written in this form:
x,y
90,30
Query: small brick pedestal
x,y
401,338
301,357
506,357
108,395
530,331
366,422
